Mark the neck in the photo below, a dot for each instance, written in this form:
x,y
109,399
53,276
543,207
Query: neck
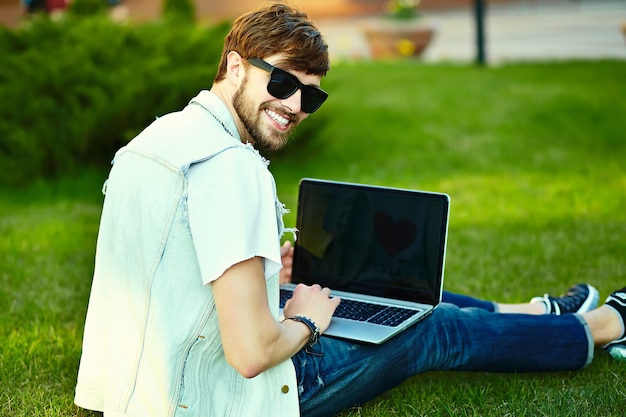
x,y
226,95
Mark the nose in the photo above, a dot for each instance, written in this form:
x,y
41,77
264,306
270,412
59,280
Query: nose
x,y
293,102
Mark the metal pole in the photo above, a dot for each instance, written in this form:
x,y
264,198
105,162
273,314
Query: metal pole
x,y
479,15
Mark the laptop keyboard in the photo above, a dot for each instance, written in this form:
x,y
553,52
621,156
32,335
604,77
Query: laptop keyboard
x,y
364,311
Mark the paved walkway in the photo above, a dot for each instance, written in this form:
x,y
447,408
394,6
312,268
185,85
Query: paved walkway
x,y
528,30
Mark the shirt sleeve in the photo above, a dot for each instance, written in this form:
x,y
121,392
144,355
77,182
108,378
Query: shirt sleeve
x,y
232,213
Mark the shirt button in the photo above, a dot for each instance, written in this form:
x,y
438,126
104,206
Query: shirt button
x,y
285,389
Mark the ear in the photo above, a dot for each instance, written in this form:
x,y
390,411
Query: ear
x,y
235,69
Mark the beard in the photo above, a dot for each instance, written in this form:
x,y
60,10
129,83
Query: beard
x,y
265,138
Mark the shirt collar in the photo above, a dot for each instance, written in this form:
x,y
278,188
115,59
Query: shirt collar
x,y
219,110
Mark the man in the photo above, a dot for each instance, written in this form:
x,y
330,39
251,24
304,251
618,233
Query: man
x,y
183,314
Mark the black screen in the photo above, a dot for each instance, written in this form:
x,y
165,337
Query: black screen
x,y
379,241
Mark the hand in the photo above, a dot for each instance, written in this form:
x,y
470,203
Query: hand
x,y
286,255
313,302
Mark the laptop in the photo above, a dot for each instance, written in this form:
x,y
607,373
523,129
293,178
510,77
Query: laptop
x,y
381,249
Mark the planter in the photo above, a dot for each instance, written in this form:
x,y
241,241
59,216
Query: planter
x,y
389,39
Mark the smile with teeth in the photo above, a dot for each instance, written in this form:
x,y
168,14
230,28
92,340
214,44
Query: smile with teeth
x,y
283,121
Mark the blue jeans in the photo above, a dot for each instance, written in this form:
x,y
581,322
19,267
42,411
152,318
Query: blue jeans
x,y
466,301
452,338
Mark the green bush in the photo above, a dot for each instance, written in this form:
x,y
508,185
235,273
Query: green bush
x,y
181,10
73,91
87,7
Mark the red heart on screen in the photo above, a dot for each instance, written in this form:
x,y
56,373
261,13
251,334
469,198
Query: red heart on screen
x,y
394,236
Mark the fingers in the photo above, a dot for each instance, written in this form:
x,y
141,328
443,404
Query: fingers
x,y
326,291
285,249
313,302
285,276
314,287
286,255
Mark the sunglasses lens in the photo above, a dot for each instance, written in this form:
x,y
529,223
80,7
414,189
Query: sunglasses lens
x,y
283,85
312,98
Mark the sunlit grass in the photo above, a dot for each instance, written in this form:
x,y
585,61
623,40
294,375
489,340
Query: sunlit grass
x,y
532,156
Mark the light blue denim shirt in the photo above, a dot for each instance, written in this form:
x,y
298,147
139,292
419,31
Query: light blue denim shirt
x,y
185,200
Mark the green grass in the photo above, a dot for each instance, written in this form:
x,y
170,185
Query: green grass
x,y
532,156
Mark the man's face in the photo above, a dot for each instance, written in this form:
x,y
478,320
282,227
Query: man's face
x,y
269,120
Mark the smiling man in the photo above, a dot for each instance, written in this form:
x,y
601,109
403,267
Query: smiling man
x,y
269,75
183,314
183,317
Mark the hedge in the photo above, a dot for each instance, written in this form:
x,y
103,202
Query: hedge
x,y
73,91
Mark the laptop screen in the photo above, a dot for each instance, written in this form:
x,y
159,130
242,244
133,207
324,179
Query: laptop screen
x,y
372,240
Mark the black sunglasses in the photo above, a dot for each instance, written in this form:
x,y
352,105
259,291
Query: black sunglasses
x,y
283,84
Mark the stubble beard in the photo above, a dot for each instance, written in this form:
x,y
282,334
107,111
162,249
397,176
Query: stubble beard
x,y
265,140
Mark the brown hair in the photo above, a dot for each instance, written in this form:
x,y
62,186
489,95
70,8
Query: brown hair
x,y
277,29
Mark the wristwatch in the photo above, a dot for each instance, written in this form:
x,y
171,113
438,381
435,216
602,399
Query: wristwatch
x,y
315,331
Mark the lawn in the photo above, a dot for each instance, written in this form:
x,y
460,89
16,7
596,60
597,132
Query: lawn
x,y
532,156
